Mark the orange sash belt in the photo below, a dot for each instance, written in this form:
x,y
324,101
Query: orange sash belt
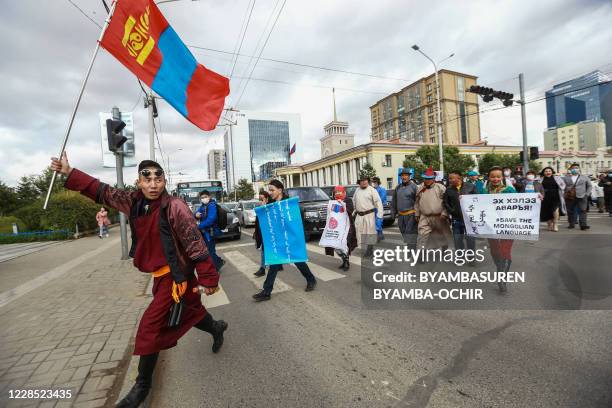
x,y
164,270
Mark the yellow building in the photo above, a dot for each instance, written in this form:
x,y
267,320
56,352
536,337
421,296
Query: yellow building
x,y
411,114
586,136
384,156
591,162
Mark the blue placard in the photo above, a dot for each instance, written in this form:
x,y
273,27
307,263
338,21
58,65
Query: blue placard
x,y
282,232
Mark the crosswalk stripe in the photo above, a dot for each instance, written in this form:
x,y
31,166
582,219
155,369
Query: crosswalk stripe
x,y
247,267
226,247
322,273
218,299
315,248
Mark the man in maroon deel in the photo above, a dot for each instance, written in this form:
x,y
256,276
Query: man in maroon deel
x,y
167,244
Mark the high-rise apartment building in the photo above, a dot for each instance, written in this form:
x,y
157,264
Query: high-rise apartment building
x,y
216,164
582,136
586,98
410,115
260,142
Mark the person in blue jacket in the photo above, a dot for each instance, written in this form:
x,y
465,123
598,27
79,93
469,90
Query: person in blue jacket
x,y
382,193
206,215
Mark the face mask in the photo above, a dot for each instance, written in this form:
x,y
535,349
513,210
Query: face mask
x,y
530,177
205,200
574,171
610,175
506,173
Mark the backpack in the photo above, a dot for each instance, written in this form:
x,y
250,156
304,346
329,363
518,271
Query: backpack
x,y
221,217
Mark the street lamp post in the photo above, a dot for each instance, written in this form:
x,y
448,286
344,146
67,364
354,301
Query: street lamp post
x,y
439,116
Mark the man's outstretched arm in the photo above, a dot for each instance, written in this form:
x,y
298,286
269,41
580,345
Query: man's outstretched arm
x,y
91,187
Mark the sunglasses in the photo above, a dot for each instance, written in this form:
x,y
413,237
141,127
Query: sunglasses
x,y
147,172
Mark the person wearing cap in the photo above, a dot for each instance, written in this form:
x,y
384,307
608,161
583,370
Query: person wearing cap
x,y
167,245
382,193
367,208
474,178
431,215
402,206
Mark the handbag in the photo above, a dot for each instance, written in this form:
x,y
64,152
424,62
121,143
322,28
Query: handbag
x,y
570,194
176,310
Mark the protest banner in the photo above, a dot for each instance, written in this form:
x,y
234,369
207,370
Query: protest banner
x,y
282,232
337,227
502,216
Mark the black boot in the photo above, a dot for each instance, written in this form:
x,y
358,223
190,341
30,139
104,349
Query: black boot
x,y
260,272
345,264
140,390
214,327
505,266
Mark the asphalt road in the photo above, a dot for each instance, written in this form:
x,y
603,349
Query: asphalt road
x,y
325,349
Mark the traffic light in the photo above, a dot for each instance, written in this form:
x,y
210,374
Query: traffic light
x,y
488,94
113,131
534,153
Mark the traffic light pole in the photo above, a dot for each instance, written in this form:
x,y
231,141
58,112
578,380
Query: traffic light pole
x,y
524,120
119,166
150,103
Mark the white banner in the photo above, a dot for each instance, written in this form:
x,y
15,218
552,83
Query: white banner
x,y
337,227
502,216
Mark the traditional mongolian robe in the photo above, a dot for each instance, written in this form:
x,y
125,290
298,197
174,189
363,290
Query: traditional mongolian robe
x,y
365,201
434,228
166,243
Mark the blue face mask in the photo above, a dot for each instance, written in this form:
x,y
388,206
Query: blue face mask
x,y
574,171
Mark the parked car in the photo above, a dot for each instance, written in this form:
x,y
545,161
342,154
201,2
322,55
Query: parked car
x,y
233,224
245,211
313,205
329,190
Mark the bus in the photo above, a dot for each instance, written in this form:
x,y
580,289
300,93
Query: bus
x,y
190,191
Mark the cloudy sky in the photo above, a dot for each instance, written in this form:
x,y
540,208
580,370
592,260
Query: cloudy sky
x,y
46,46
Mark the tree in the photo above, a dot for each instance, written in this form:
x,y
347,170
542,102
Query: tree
x,y
33,187
504,160
8,199
244,190
429,156
367,171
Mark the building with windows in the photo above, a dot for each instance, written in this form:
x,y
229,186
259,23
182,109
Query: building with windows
x,y
583,136
410,114
586,98
385,156
257,139
591,162
216,164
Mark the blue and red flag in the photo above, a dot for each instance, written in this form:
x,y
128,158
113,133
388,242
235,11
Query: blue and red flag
x,y
292,150
141,39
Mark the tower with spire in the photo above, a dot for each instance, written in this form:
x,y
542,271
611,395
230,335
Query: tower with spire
x,y
336,137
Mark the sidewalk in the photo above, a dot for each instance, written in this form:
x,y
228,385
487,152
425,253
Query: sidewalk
x,y
73,328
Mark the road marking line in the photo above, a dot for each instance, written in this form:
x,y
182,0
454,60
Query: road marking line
x,y
247,267
323,273
17,252
315,248
16,293
218,299
219,248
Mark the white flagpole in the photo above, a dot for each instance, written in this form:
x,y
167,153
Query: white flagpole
x,y
78,101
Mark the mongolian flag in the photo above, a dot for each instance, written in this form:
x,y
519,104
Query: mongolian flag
x,y
141,39
292,150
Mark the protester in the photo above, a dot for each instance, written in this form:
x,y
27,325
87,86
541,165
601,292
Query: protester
x,y
452,203
430,213
276,189
529,184
206,215
382,193
553,204
166,244
597,194
368,208
475,179
577,191
264,198
501,249
508,179
340,220
402,207
103,222
606,183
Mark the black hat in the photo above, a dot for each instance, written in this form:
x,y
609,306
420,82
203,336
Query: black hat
x,y
145,164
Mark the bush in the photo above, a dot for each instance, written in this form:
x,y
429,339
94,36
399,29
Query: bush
x,y
35,237
65,210
6,224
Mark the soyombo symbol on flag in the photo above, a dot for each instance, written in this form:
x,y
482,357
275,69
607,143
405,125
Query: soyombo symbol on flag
x,y
141,39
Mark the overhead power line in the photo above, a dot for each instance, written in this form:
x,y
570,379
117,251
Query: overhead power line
x,y
246,27
85,14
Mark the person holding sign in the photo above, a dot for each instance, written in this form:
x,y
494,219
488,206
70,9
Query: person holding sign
x,y
430,212
501,249
264,198
339,233
276,189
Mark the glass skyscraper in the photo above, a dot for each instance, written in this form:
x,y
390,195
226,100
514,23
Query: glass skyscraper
x,y
588,97
269,143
